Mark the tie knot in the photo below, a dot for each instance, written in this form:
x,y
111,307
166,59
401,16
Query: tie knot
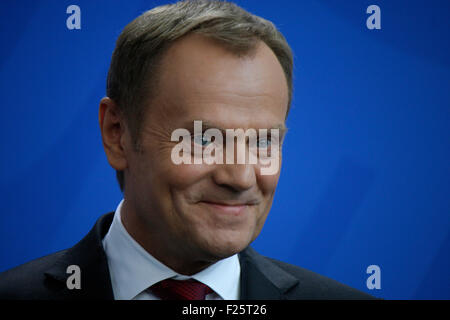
x,y
171,289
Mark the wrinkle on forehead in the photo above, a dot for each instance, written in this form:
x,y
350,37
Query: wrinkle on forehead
x,y
198,65
201,80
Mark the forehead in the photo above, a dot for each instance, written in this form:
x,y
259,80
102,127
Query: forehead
x,y
202,80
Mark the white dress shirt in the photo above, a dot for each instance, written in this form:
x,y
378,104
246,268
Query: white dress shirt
x,y
133,270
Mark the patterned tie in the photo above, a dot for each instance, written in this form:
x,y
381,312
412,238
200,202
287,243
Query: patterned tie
x,y
171,289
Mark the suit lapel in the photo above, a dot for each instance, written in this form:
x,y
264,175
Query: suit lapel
x,y
261,279
89,255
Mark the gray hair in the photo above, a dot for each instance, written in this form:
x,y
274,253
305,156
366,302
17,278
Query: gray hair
x,y
132,75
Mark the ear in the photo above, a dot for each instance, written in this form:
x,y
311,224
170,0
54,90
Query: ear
x,y
114,133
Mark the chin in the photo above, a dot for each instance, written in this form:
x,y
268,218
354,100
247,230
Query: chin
x,y
225,245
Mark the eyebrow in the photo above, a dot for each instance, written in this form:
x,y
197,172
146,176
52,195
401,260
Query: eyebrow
x,y
210,125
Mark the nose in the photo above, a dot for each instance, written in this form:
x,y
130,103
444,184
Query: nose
x,y
237,177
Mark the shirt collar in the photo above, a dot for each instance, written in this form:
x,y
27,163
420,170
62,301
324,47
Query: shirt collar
x,y
134,270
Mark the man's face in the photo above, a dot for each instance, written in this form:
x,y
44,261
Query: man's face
x,y
200,210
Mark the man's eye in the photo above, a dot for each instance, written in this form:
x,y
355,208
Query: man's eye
x,y
263,143
201,140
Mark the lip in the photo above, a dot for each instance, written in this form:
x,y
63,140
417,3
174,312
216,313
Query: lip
x,y
231,209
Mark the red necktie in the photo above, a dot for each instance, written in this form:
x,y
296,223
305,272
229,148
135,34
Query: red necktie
x,y
171,289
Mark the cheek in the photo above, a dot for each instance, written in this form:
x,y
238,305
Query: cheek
x,y
268,183
184,175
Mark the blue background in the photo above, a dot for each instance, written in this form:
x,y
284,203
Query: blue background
x,y
365,177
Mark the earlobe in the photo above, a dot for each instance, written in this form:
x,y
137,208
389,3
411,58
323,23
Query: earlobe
x,y
112,130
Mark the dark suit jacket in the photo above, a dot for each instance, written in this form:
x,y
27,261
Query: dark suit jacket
x,y
261,277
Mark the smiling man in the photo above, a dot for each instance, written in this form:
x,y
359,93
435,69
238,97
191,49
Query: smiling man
x,y
183,230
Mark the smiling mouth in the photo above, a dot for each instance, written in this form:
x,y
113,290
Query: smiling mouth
x,y
225,208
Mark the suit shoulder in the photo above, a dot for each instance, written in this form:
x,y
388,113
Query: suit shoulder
x,y
316,286
27,281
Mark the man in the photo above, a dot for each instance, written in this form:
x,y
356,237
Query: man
x,y
183,230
